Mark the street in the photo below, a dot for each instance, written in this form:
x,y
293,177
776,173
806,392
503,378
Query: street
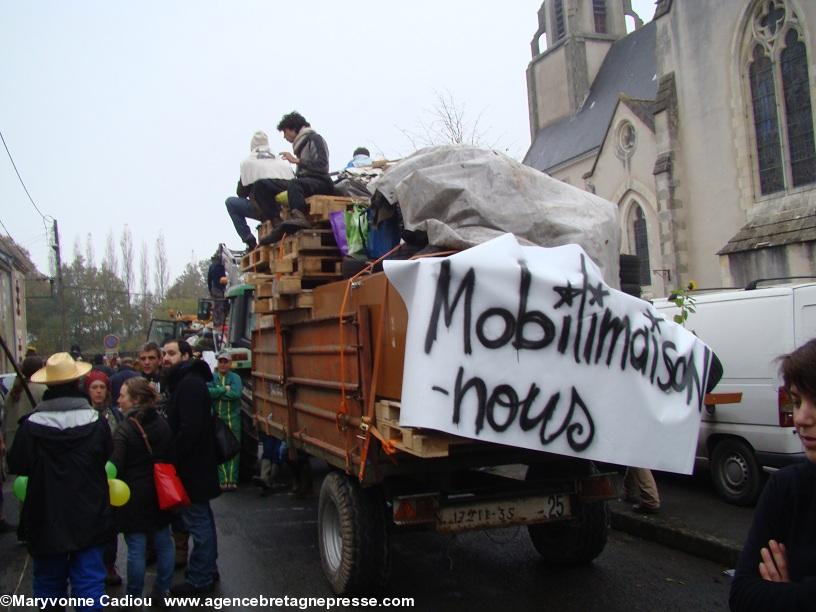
x,y
268,546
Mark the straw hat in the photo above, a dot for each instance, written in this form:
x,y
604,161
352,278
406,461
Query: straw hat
x,y
60,368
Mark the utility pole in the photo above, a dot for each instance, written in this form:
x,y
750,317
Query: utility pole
x,y
60,294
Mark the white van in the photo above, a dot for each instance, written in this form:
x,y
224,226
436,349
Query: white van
x,y
748,329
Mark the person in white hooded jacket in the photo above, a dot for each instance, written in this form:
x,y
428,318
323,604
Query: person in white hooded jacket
x,y
261,164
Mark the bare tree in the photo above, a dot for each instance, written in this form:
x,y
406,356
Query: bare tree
x,y
144,284
126,247
162,271
89,251
77,254
446,122
110,263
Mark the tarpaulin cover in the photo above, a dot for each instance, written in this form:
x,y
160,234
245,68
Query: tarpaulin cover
x,y
463,196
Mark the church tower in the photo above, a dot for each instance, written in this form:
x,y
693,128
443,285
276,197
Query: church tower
x,y
568,49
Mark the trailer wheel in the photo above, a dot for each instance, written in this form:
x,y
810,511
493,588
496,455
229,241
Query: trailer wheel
x,y
353,536
579,540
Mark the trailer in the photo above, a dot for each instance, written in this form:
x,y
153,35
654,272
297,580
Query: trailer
x,y
327,379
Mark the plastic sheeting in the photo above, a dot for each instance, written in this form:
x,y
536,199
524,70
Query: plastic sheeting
x,y
462,196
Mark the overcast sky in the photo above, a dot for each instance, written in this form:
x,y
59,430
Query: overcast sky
x,y
139,113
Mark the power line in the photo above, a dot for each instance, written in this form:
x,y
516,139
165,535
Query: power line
x,y
20,177
8,233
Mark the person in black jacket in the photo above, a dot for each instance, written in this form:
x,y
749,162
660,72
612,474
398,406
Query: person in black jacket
x,y
142,437
215,273
311,155
777,567
62,448
190,419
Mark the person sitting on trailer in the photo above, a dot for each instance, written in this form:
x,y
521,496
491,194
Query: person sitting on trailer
x,y
311,155
260,165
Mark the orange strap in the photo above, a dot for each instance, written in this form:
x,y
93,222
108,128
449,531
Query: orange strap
x,y
343,408
372,392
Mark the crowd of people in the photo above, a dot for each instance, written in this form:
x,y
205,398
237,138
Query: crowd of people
x,y
82,417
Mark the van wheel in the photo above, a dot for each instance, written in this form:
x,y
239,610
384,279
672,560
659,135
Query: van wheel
x,y
353,536
736,472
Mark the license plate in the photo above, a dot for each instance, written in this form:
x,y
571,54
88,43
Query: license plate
x,y
463,517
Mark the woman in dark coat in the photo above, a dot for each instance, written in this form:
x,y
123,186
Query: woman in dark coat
x,y
141,517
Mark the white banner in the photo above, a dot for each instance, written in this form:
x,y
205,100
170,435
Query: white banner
x,y
526,346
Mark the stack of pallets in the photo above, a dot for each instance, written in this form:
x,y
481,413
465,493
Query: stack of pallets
x,y
320,208
286,273
418,442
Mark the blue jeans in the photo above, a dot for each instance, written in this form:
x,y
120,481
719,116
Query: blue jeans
x,y
165,560
239,210
84,569
201,524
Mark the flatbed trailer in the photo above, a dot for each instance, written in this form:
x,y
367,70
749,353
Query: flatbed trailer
x,y
328,379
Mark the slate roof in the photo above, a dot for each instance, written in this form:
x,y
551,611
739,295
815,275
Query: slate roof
x,y
787,228
629,68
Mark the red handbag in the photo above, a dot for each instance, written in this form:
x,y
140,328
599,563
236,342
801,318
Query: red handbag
x,y
169,488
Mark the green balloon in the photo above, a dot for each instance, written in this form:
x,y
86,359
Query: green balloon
x,y
110,470
20,486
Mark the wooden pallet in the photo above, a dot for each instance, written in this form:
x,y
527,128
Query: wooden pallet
x,y
321,206
304,299
257,260
410,440
303,266
264,290
311,242
290,285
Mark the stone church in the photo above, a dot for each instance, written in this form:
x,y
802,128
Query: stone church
x,y
698,124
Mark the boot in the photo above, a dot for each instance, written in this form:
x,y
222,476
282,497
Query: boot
x,y
299,220
181,540
296,222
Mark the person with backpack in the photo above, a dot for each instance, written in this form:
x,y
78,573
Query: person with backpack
x,y
66,518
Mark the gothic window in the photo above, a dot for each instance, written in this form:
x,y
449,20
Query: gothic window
x,y
763,97
780,94
638,240
599,12
799,114
559,20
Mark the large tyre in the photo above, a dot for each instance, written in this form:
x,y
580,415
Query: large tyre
x,y
353,536
737,475
579,540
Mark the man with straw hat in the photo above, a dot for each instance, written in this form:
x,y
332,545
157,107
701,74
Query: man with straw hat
x,y
66,519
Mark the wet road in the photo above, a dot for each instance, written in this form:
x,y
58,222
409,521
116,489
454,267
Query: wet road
x,y
268,546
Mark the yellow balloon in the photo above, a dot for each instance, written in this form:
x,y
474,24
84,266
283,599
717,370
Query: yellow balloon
x,y
119,492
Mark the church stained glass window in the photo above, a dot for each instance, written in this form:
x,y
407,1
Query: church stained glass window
x,y
780,93
763,95
798,111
